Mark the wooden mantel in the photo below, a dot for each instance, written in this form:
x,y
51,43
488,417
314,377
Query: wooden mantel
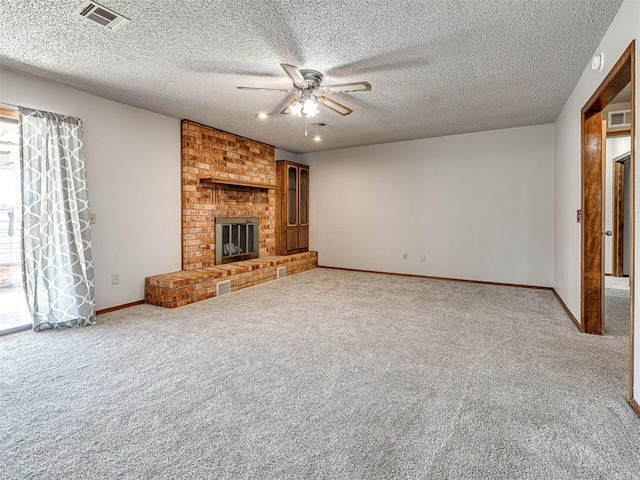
x,y
211,182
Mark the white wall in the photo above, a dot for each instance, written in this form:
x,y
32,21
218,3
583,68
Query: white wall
x,y
133,172
615,147
479,206
285,155
624,29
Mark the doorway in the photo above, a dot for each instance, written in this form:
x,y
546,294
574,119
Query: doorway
x,y
616,119
593,229
619,170
618,244
13,307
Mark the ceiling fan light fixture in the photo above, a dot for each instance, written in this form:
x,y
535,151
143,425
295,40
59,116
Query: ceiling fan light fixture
x,y
317,138
310,107
262,115
296,108
307,85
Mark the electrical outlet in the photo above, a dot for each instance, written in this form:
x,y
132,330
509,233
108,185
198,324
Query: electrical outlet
x,y
423,257
115,279
405,256
92,218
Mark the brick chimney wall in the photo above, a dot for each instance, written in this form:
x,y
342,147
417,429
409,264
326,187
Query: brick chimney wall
x,y
207,152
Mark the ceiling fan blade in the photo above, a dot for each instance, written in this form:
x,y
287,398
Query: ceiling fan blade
x,y
347,87
295,75
335,106
285,110
256,89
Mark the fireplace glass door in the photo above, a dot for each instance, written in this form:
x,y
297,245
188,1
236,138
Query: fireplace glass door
x,y
236,239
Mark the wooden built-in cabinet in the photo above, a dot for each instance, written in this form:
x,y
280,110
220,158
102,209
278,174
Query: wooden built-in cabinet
x,y
292,211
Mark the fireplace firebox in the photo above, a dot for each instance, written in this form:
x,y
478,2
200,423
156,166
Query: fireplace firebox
x,y
236,239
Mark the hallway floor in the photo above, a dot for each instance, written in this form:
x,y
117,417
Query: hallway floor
x,y
617,304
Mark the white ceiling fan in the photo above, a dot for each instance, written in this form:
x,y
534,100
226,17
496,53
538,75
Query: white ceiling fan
x,y
308,83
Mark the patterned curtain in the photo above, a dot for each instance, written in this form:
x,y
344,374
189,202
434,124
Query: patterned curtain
x,y
56,235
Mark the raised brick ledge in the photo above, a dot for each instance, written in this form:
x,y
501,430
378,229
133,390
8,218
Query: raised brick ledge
x,y
181,288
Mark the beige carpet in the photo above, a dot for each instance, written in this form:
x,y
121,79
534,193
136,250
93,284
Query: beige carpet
x,y
323,375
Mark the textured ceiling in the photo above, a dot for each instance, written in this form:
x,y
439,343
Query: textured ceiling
x,y
437,67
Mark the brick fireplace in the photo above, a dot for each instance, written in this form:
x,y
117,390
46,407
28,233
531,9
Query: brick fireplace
x,y
230,179
243,177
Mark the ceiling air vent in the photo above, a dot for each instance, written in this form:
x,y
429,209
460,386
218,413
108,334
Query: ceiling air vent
x,y
621,118
96,13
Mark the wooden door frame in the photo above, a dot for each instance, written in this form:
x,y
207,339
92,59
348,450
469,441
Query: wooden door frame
x,y
592,272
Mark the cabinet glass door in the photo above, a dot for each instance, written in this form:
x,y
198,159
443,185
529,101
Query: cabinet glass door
x,y
292,196
304,196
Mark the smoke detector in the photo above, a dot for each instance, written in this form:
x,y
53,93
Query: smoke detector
x,y
597,62
103,16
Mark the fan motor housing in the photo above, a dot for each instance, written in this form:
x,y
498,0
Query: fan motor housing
x,y
313,77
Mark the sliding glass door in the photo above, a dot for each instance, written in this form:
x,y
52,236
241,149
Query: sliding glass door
x,y
13,307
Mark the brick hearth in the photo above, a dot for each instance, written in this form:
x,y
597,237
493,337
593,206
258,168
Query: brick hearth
x,y
177,289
